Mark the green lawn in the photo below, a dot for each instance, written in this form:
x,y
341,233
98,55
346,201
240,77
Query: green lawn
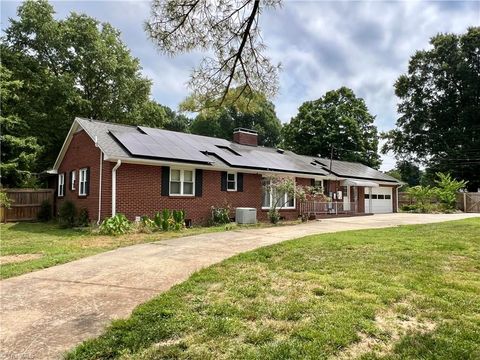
x,y
46,245
411,292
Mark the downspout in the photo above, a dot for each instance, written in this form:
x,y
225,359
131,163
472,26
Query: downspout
x,y
100,189
99,182
114,186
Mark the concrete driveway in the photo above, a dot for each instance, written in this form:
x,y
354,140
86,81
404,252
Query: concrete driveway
x,y
47,312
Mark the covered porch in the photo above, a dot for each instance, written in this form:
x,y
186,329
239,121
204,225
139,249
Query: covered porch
x,y
347,198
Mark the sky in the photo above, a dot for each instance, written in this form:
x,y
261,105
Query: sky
x,y
321,46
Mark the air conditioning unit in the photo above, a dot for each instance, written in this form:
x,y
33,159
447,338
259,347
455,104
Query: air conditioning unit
x,y
246,215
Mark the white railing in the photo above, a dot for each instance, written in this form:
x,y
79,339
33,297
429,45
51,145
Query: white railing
x,y
310,208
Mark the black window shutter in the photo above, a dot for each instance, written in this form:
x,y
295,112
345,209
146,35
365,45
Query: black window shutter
x,y
326,186
223,181
312,182
198,182
240,182
165,180
87,184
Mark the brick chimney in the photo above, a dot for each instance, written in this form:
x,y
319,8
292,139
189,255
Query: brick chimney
x,y
245,137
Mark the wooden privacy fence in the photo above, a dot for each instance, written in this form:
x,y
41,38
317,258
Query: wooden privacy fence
x,y
25,203
469,202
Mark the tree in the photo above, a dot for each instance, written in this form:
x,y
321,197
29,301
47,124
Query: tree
x,y
71,67
409,172
229,30
257,113
19,153
340,120
439,107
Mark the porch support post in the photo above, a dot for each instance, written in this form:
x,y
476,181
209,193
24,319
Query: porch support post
x,y
370,200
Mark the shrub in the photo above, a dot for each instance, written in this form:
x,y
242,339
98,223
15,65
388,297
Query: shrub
x,y
5,201
178,219
447,189
83,217
67,214
146,225
274,216
167,221
115,225
220,215
45,212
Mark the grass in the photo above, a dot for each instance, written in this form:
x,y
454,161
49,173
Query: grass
x,y
45,244
410,292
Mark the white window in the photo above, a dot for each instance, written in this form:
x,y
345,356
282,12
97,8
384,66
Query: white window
x,y
61,184
82,182
182,182
73,179
232,182
269,197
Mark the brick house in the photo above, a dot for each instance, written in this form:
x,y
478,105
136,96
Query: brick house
x,y
109,168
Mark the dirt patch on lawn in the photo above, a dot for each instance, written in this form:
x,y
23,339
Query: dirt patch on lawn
x,y
11,259
393,325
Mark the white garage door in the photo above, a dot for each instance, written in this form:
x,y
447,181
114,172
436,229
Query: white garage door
x,y
382,200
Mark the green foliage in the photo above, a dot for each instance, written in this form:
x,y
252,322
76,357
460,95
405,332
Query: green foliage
x,y
219,121
166,220
221,215
115,225
447,189
439,107
337,119
45,212
178,217
67,215
83,219
61,68
146,225
5,201
274,215
18,152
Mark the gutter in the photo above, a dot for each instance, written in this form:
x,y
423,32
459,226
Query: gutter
x,y
114,186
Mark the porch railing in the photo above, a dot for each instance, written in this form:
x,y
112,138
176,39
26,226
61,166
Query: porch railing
x,y
312,208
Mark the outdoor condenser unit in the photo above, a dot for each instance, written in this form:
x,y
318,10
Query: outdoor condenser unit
x,y
246,215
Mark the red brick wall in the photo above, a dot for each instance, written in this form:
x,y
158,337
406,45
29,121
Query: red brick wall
x,y
245,138
80,154
139,193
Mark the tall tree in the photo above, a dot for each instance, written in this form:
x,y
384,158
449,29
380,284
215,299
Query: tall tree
x,y
19,152
410,172
71,67
340,120
255,112
227,29
439,107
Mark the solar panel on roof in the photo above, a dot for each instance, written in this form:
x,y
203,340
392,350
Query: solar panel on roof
x,y
148,146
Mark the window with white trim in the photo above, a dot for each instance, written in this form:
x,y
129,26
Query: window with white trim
x,y
232,181
61,184
82,182
270,196
72,182
182,182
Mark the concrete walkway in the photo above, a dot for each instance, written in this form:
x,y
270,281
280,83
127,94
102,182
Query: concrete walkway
x,y
47,312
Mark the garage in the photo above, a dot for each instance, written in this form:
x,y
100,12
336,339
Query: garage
x,y
379,200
